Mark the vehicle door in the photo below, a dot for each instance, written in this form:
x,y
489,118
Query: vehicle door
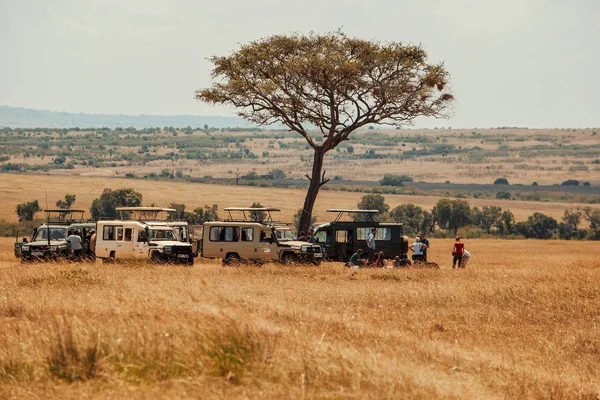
x,y
343,244
223,240
247,247
266,247
325,239
140,244
125,248
108,244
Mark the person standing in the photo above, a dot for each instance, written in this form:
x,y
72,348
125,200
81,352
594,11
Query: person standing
x,y
424,241
458,251
371,245
418,249
74,241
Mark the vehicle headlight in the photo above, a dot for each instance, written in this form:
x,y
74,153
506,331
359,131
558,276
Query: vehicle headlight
x,y
25,248
167,249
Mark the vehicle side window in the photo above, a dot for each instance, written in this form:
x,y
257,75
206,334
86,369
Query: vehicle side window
x,y
319,237
108,233
247,234
215,233
265,236
142,236
340,236
128,234
382,233
120,234
224,234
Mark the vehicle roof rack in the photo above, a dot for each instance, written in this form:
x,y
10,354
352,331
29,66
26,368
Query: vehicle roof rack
x,y
64,216
253,214
145,213
370,214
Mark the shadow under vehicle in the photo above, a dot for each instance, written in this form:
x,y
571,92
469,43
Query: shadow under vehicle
x,y
256,237
342,238
140,235
48,242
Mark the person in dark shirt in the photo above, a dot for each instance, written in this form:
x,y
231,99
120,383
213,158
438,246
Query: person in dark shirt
x,y
425,241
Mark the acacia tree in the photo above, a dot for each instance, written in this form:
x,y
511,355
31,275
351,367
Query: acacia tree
x,y
330,82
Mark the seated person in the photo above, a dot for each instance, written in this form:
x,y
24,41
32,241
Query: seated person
x,y
379,260
417,248
395,263
355,259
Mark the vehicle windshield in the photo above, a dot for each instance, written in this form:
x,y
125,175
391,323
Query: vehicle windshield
x,y
55,234
284,235
159,235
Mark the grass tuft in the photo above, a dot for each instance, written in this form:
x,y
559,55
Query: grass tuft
x,y
70,361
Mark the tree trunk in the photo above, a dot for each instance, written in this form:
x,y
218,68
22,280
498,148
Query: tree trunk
x,y
316,181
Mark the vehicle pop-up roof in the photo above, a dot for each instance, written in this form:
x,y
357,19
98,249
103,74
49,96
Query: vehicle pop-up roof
x,y
253,214
371,215
66,216
145,213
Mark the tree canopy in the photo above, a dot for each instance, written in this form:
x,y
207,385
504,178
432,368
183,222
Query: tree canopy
x,y
105,205
331,82
26,211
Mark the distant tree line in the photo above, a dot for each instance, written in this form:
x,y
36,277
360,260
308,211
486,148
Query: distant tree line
x,y
451,217
447,217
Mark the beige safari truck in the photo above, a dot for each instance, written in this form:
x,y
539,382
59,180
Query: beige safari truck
x,y
255,236
137,236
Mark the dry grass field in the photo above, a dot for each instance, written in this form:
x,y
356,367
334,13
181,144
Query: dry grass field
x,y
520,322
19,188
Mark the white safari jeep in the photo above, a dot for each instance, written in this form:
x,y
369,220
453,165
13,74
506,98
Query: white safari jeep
x,y
256,237
140,239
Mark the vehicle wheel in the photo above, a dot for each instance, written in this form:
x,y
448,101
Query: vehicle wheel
x,y
231,258
155,258
289,258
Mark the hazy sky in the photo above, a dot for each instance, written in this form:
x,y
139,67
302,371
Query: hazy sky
x,y
532,63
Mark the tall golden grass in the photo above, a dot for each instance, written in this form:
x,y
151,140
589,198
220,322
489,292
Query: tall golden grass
x,y
520,322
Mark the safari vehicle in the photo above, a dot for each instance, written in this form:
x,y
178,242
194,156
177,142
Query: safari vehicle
x,y
184,232
138,236
48,242
255,236
342,238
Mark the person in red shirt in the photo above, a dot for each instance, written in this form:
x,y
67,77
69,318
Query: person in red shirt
x,y
457,251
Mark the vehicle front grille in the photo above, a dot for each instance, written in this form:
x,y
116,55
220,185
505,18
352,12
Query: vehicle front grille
x,y
182,250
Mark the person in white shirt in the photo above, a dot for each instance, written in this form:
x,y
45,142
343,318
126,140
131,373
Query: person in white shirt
x,y
74,241
371,246
417,248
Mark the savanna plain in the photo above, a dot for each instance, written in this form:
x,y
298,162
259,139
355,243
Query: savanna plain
x,y
521,321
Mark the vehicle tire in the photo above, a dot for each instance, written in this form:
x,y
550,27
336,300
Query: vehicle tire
x,y
231,258
155,258
289,258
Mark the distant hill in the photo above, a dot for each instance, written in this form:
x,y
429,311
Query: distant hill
x,y
16,117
